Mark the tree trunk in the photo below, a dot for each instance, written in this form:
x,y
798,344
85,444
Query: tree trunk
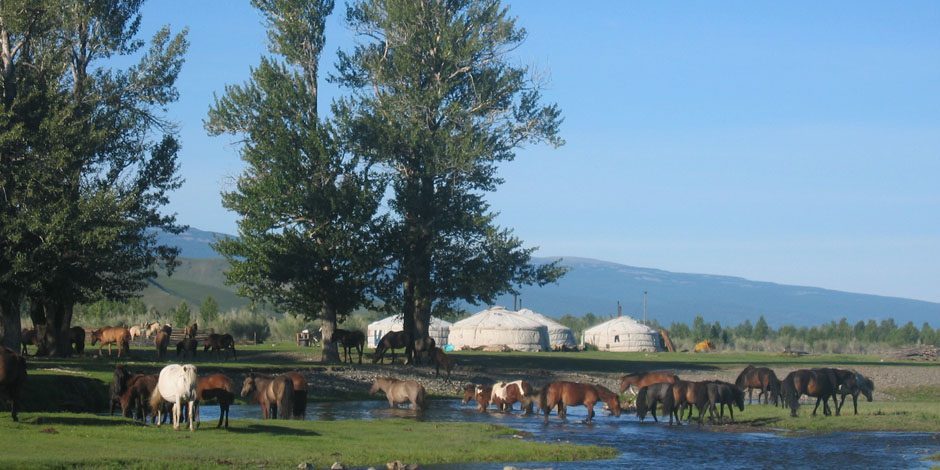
x,y
53,320
330,351
10,326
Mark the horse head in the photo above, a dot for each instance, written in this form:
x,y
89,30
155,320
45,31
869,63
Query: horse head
x,y
249,386
627,381
376,386
865,385
468,391
738,396
96,336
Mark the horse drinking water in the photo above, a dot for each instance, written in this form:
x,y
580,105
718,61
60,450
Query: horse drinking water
x,y
562,394
272,394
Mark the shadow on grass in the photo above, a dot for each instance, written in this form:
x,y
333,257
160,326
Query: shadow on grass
x,y
78,421
255,428
577,364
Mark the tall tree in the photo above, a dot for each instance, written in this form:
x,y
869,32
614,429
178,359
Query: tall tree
x,y
308,233
438,102
85,190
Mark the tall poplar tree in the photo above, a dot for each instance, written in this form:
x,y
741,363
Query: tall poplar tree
x,y
308,237
438,102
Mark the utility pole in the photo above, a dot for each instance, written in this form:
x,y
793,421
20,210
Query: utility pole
x,y
644,307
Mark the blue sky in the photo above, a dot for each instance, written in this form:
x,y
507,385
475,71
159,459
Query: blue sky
x,y
792,142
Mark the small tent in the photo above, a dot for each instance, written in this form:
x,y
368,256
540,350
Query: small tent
x,y
439,329
623,334
497,326
559,336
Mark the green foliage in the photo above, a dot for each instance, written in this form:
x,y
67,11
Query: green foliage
x,y
182,316
209,310
244,325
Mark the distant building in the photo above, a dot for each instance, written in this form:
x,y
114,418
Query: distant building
x,y
623,334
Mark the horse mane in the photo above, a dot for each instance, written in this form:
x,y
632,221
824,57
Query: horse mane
x,y
603,392
641,405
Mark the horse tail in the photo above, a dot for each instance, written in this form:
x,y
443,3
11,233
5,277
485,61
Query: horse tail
x,y
422,399
155,400
286,405
641,405
791,398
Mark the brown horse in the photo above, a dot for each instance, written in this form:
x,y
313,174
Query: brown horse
x,y
688,394
721,394
191,331
118,387
423,349
562,394
820,383
218,387
652,395
272,394
300,392
12,376
218,342
761,378
112,335
137,396
401,391
161,341
639,380
478,393
187,346
853,383
441,359
29,337
77,338
350,339
391,341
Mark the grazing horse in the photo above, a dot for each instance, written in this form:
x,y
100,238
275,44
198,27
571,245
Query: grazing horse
x,y
137,397
272,394
401,391
112,335
350,339
650,396
191,331
423,349
118,387
504,395
441,359
644,379
687,394
135,332
820,383
853,383
176,385
478,393
77,338
721,394
762,378
218,342
299,383
561,394
391,341
29,337
187,346
12,376
161,341
218,387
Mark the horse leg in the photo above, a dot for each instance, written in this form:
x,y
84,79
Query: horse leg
x,y
192,405
360,347
590,408
817,407
855,401
750,396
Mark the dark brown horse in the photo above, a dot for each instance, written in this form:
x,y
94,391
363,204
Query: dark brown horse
x,y
191,331
441,359
761,378
77,338
721,394
639,380
161,342
218,342
820,383
29,337
560,395
187,346
137,397
853,383
109,335
652,395
687,394
217,387
272,394
478,393
12,377
118,387
423,349
390,342
350,339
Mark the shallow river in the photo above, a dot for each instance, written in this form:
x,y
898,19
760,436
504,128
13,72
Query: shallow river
x,y
648,444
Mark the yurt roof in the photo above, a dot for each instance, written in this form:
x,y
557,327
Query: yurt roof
x,y
497,317
396,321
551,324
620,325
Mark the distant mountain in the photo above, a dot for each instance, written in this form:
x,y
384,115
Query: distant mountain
x,y
596,286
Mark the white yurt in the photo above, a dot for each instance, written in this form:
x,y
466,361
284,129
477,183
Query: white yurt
x,y
497,327
559,336
623,334
439,329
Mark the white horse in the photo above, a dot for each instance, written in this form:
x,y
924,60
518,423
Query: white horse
x,y
151,329
176,384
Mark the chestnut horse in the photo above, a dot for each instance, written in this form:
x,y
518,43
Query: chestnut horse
x,y
218,387
639,380
112,335
77,338
853,383
561,394
650,396
350,339
478,393
762,378
218,342
391,341
441,359
176,385
272,394
12,376
191,331
687,394
137,396
401,391
820,383
161,341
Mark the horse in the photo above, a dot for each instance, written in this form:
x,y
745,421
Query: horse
x,y
441,359
762,378
77,338
685,393
478,393
151,329
219,387
349,339
112,335
391,341
29,337
561,394
12,376
218,342
820,383
191,331
721,394
504,395
135,332
187,346
272,394
161,341
137,396
401,391
853,383
639,380
118,387
650,396
299,383
176,384
423,348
